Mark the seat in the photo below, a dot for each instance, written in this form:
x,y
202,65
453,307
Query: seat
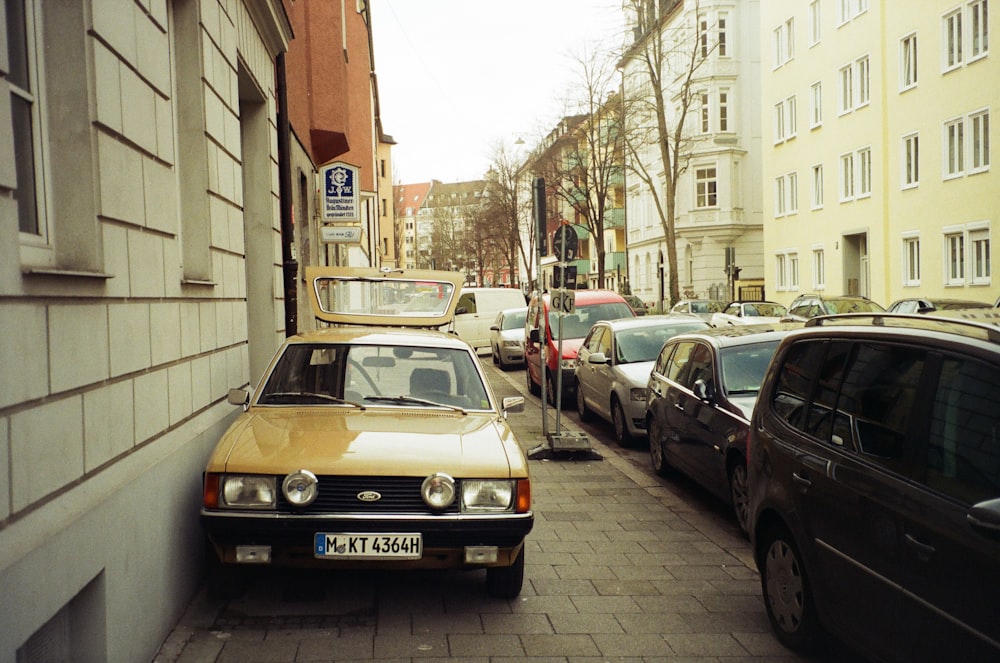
x,y
428,382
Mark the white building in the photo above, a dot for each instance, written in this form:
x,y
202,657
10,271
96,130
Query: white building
x,y
138,179
719,200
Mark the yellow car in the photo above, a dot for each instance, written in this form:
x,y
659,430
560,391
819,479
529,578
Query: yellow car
x,y
373,443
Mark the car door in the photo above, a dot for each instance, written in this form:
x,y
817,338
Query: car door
x,y
662,397
587,374
951,566
683,407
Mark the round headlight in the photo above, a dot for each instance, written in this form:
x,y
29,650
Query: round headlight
x,y
300,488
438,491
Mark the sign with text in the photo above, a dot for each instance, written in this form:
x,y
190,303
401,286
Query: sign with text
x,y
340,194
340,234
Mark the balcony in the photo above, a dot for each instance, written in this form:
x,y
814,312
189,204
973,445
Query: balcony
x,y
614,218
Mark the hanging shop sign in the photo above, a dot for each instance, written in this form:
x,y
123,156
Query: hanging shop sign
x,y
341,192
340,234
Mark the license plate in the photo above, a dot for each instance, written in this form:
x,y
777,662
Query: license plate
x,y
343,545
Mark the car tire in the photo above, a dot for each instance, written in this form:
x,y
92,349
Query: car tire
x,y
550,388
620,423
505,582
496,357
222,581
787,592
533,389
739,492
581,405
657,451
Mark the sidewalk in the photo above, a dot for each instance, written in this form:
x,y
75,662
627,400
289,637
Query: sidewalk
x,y
618,566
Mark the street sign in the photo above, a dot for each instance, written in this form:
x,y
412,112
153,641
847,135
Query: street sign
x,y
566,243
563,301
564,276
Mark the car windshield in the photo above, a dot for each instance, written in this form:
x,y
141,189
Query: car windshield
x,y
852,306
765,309
744,366
578,323
365,375
644,343
514,320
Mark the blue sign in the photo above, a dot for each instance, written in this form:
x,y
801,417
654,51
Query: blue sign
x,y
340,192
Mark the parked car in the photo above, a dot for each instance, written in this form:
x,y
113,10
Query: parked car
x,y
591,306
875,486
703,308
613,365
507,337
375,445
811,305
477,310
637,305
701,392
926,305
749,313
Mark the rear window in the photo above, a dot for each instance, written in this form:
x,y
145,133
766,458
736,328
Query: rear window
x,y
578,323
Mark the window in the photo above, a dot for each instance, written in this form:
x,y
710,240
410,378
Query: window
x,y
724,109
911,161
819,269
781,271
815,22
703,36
705,113
790,113
850,9
979,29
911,260
784,42
952,40
786,195
779,196
26,120
954,259
817,186
816,105
980,141
954,145
846,177
864,172
979,242
908,62
793,271
779,122
705,187
722,27
784,120
847,89
864,80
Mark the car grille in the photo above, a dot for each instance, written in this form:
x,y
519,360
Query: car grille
x,y
338,494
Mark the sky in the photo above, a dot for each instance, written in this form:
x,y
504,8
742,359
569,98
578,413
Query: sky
x,y
456,78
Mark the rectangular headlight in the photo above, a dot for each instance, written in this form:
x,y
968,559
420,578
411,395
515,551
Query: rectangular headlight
x,y
248,492
487,494
638,393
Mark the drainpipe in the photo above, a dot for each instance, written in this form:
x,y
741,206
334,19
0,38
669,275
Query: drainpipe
x,y
290,267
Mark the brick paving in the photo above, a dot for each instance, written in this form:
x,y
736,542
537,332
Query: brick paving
x,y
620,566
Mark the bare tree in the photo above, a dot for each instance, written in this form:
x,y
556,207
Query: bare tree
x,y
663,60
583,164
505,210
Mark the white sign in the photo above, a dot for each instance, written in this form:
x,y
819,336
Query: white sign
x,y
563,301
340,192
340,234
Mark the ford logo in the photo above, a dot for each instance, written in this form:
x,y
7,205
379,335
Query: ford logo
x,y
369,496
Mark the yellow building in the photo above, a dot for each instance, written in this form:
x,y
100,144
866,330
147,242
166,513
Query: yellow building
x,y
877,175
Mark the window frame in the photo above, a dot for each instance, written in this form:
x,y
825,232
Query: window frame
x,y
979,147
847,170
911,263
909,71
910,161
816,105
864,173
817,189
711,190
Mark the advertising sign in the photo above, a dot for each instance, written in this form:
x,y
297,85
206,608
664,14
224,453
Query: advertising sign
x,y
340,192
340,234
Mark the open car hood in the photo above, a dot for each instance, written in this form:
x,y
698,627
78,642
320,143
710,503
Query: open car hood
x,y
385,298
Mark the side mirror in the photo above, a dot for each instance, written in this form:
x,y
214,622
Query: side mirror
x,y
703,391
533,335
460,310
238,397
494,327
598,358
512,404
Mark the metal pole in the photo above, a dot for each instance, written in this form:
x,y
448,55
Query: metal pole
x,y
538,204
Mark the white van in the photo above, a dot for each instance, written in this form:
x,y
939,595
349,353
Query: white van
x,y
478,308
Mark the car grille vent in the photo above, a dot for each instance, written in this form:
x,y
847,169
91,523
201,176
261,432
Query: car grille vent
x,y
340,495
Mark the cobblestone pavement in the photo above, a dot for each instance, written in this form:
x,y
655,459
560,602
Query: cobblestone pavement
x,y
620,566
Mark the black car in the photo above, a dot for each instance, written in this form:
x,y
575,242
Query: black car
x,y
700,394
874,475
928,304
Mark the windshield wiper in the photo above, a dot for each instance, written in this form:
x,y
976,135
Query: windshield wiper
x,y
414,401
309,394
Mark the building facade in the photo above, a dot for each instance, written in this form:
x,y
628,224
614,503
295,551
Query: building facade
x,y
137,179
878,175
718,213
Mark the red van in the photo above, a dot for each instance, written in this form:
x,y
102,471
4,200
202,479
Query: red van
x,y
591,306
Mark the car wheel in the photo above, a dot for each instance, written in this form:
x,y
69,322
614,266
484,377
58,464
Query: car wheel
x,y
656,447
222,581
581,406
533,388
550,388
739,491
504,582
787,593
620,423
496,356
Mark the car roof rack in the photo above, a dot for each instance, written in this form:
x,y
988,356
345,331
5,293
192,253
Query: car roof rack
x,y
982,324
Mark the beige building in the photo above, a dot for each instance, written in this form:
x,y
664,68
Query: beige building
x,y
878,176
138,207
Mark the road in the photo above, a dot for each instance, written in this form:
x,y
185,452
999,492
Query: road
x,y
621,565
